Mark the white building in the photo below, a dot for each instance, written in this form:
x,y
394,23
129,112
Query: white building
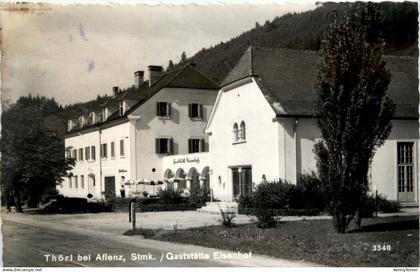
x,y
119,146
262,125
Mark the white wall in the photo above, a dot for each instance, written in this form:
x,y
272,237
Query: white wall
x,y
384,176
117,166
245,103
82,167
180,127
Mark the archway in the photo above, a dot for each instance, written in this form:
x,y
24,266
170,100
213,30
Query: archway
x,y
180,178
168,176
205,176
193,176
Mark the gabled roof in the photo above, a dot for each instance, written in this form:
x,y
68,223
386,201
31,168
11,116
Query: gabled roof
x,y
286,78
183,77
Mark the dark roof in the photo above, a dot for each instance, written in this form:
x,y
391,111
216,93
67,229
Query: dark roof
x,y
286,78
183,77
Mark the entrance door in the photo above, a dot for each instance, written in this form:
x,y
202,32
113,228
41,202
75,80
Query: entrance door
x,y
405,168
242,181
91,184
110,186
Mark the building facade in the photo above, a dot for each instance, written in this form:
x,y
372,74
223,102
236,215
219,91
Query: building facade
x,y
270,132
181,130
120,153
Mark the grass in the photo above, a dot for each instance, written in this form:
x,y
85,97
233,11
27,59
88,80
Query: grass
x,y
312,241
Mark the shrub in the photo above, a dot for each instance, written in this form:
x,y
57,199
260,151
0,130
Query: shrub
x,y
312,192
265,218
199,195
383,205
389,206
170,196
227,218
246,201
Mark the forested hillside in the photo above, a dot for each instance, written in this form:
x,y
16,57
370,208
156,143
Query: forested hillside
x,y
304,31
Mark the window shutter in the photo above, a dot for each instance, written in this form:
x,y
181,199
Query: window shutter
x,y
157,145
169,109
190,110
202,145
170,147
189,145
200,110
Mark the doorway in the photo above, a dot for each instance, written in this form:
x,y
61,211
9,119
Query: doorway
x,y
242,181
405,171
110,186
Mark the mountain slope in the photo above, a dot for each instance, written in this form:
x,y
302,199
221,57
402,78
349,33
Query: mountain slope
x,y
304,31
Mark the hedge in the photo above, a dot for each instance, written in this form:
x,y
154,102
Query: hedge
x,y
281,212
167,207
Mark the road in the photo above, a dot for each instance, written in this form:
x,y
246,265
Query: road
x,y
27,245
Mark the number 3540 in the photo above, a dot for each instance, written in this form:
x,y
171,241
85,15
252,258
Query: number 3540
x,y
381,247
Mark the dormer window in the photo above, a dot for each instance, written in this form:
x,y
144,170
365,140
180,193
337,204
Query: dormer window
x,y
104,114
81,121
69,125
122,108
163,109
92,118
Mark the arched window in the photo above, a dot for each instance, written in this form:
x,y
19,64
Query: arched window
x,y
235,132
242,132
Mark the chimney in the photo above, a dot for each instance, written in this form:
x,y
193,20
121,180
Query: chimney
x,y
154,73
115,91
138,78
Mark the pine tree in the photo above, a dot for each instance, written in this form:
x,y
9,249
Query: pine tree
x,y
354,113
171,66
183,58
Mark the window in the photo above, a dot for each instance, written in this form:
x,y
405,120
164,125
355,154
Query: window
x,y
112,150
235,132
70,182
75,182
93,152
104,114
164,145
195,111
80,154
405,167
92,118
81,121
121,108
69,125
122,148
242,133
87,153
74,154
82,181
104,151
101,117
195,145
163,109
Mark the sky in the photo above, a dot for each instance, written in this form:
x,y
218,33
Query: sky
x,y
75,52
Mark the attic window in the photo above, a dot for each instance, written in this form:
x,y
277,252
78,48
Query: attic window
x,y
195,111
163,109
122,108
92,118
104,114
